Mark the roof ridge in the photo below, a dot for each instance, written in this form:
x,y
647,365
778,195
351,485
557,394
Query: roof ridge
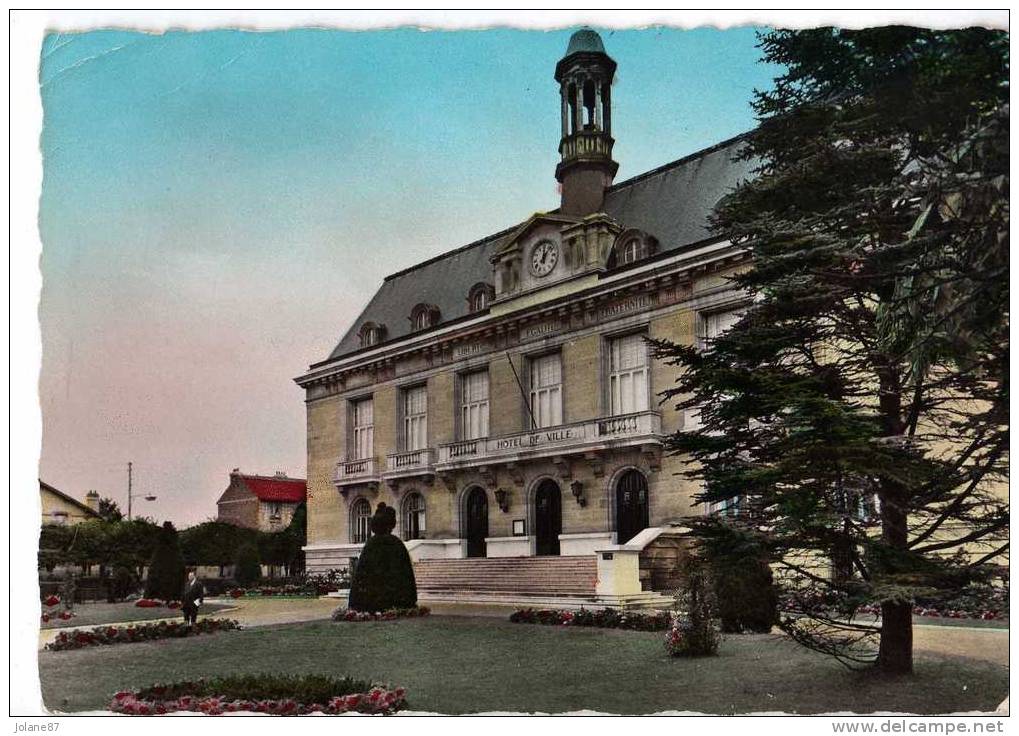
x,y
273,477
448,253
627,182
678,162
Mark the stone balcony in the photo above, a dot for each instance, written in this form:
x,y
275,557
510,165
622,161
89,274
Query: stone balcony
x,y
590,438
354,472
409,464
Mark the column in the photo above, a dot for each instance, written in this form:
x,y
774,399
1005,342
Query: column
x,y
578,110
565,111
597,107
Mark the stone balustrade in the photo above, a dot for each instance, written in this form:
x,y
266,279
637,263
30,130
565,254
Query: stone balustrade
x,y
604,433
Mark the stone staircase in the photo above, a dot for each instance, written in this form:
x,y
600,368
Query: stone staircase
x,y
565,582
515,579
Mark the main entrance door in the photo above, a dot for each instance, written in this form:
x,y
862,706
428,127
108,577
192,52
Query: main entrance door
x,y
548,518
631,506
476,521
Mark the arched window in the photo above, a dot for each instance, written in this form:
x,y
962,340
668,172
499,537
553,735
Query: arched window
x,y
631,246
424,316
479,297
360,521
371,334
413,516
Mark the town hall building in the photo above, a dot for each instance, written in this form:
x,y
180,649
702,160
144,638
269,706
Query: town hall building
x,y
502,397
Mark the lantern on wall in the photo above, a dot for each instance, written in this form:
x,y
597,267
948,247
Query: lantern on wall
x,y
578,493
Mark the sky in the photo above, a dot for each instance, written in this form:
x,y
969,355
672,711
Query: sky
x,y
218,206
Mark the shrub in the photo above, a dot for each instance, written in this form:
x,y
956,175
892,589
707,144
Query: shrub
x,y
165,580
247,568
384,576
124,583
747,600
265,693
694,633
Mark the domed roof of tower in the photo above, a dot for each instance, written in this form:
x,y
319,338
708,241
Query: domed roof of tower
x,y
587,41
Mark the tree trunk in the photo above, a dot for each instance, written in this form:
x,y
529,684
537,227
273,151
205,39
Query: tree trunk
x,y
895,654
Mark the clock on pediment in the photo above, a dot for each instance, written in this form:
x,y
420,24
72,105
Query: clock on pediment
x,y
544,257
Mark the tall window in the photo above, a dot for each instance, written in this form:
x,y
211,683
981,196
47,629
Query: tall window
x,y
360,520
415,418
728,507
474,405
628,374
714,324
479,300
414,516
363,416
547,390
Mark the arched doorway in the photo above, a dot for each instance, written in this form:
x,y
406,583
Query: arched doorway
x,y
548,518
631,506
476,521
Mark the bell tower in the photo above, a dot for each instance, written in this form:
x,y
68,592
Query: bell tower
x,y
586,167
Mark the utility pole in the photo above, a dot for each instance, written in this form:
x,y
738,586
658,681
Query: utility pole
x,y
129,491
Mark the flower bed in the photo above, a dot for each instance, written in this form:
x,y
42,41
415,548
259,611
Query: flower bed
x,y
154,603
141,632
346,614
874,609
63,616
275,694
283,591
606,618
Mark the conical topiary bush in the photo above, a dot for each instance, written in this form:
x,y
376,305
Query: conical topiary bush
x,y
384,576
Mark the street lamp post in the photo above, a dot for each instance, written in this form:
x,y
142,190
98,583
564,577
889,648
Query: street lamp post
x,y
146,496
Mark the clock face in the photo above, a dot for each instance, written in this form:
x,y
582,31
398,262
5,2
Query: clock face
x,y
544,257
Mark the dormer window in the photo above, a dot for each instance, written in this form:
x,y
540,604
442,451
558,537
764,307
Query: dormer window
x,y
424,316
632,246
631,251
479,297
371,334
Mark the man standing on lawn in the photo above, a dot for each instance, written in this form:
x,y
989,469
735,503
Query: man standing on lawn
x,y
194,592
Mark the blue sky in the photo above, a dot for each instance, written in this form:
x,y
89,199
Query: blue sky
x,y
217,207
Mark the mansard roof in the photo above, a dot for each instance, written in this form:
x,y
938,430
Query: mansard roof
x,y
670,203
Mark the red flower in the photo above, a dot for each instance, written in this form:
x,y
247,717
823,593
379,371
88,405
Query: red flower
x,y
51,600
45,617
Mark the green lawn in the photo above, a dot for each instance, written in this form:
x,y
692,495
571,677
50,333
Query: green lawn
x,y
463,665
94,614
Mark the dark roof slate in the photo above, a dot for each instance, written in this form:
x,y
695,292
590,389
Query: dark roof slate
x,y
670,203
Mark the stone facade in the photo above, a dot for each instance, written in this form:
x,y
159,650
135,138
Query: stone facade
x,y
571,460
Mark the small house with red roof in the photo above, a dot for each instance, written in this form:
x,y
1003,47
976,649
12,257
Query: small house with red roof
x,y
265,502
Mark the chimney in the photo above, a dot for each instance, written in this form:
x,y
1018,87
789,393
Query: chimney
x,y
92,500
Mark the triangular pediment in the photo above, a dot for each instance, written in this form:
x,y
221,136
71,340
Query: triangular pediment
x,y
512,243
